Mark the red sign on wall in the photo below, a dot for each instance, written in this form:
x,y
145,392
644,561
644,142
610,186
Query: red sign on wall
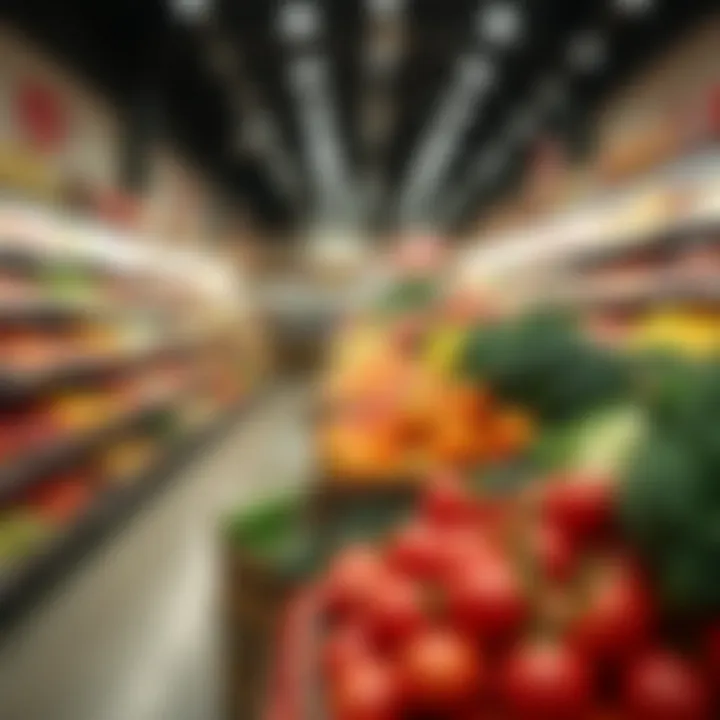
x,y
40,116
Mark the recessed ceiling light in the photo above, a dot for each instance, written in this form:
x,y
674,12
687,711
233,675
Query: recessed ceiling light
x,y
385,8
191,10
587,52
634,7
500,23
298,20
477,72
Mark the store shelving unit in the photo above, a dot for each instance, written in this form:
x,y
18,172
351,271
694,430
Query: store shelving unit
x,y
675,206
128,350
23,586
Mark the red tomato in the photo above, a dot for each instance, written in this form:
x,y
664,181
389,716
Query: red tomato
x,y
581,506
440,669
553,552
543,681
395,611
366,691
488,599
447,502
465,547
663,686
619,617
353,578
344,647
416,550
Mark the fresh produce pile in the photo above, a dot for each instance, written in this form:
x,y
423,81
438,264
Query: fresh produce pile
x,y
563,561
412,419
534,607
415,394
671,485
689,331
543,361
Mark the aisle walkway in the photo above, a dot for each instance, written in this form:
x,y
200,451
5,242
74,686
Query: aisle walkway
x,y
134,635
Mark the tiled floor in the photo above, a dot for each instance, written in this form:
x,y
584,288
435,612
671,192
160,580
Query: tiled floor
x,y
134,635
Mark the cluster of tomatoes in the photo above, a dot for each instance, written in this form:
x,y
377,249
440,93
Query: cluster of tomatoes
x,y
518,610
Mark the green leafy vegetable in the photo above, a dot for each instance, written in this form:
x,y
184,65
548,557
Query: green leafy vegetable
x,y
542,362
670,494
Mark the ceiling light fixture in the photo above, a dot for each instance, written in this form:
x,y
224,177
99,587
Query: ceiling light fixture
x,y
500,23
385,9
634,7
440,142
191,10
298,20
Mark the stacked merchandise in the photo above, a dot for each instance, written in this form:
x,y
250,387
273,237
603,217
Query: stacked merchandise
x,y
667,296
113,359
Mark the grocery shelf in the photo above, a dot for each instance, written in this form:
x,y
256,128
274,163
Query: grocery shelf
x,y
16,384
20,474
646,295
56,310
29,257
695,233
23,585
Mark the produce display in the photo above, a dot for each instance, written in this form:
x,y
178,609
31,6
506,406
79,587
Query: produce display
x,y
692,332
397,403
546,604
560,560
430,377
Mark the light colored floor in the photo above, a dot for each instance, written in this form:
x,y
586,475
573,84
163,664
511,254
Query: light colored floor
x,y
134,635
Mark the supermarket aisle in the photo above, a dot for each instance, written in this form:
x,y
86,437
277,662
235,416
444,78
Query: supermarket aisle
x,y
134,634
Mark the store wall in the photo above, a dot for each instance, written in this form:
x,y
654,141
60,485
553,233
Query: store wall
x,y
668,86
46,115
53,127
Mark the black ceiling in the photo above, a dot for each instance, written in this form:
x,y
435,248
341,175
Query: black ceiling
x,y
158,70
